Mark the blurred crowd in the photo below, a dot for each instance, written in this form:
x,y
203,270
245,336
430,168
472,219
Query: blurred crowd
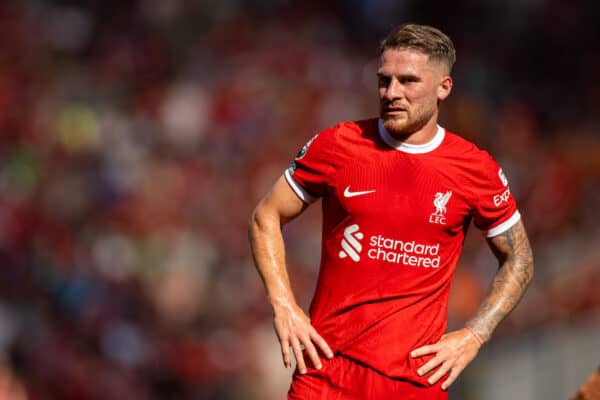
x,y
137,136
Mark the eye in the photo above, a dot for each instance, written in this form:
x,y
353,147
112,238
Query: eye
x,y
409,79
383,81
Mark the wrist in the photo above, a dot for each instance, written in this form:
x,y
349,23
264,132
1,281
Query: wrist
x,y
282,304
476,336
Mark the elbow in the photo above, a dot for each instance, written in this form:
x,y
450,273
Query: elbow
x,y
521,267
259,221
531,268
253,223
528,267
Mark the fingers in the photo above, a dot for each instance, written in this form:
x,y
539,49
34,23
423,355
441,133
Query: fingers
x,y
451,355
285,353
311,351
298,354
321,343
294,330
441,371
429,366
312,354
454,373
424,350
298,345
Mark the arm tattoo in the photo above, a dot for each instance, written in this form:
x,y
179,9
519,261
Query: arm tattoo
x,y
513,252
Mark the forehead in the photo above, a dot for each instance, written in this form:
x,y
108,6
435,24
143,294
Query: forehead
x,y
394,61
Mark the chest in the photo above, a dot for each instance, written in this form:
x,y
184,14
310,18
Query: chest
x,y
400,191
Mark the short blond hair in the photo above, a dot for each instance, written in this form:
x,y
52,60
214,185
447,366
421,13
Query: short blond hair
x,y
426,39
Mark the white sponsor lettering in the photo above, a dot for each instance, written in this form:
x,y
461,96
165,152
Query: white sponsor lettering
x,y
408,253
502,197
502,177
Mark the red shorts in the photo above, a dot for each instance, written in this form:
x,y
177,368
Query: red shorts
x,y
344,379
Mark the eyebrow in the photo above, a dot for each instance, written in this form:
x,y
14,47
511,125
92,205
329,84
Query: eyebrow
x,y
401,76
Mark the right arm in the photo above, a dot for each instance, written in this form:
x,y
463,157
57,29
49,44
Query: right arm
x,y
293,328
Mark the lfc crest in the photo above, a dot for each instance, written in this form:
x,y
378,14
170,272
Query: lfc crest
x,y
439,201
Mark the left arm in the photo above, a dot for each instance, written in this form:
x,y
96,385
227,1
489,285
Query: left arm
x,y
513,252
457,349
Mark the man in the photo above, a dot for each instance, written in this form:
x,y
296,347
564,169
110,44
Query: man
x,y
398,193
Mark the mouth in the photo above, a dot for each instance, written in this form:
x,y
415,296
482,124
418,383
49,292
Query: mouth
x,y
394,111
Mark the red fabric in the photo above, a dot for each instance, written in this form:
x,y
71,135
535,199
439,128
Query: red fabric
x,y
389,254
343,379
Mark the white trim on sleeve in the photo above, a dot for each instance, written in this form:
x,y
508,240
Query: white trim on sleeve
x,y
506,225
299,190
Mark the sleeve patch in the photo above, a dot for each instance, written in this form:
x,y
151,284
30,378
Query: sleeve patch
x,y
304,148
299,190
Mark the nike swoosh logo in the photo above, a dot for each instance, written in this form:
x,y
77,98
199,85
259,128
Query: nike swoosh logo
x,y
348,193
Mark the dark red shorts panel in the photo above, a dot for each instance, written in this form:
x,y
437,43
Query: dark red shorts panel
x,y
344,379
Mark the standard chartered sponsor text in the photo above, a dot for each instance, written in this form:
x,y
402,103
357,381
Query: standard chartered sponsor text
x,y
409,253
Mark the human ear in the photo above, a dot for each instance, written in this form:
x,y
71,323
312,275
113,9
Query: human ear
x,y
444,88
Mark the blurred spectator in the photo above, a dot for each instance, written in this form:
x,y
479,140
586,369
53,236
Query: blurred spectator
x,y
135,136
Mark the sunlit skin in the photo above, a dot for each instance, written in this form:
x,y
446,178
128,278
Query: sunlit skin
x,y
411,86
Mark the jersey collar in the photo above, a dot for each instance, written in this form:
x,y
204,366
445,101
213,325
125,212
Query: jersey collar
x,y
412,148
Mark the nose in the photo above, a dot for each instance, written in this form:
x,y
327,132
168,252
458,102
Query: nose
x,y
393,90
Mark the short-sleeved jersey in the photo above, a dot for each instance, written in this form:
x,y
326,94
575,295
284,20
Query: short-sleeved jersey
x,y
394,220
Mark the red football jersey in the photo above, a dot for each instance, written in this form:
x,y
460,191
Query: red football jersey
x,y
395,217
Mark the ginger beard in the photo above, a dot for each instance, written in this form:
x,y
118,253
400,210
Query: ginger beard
x,y
413,119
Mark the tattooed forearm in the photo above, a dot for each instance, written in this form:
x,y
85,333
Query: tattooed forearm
x,y
514,274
